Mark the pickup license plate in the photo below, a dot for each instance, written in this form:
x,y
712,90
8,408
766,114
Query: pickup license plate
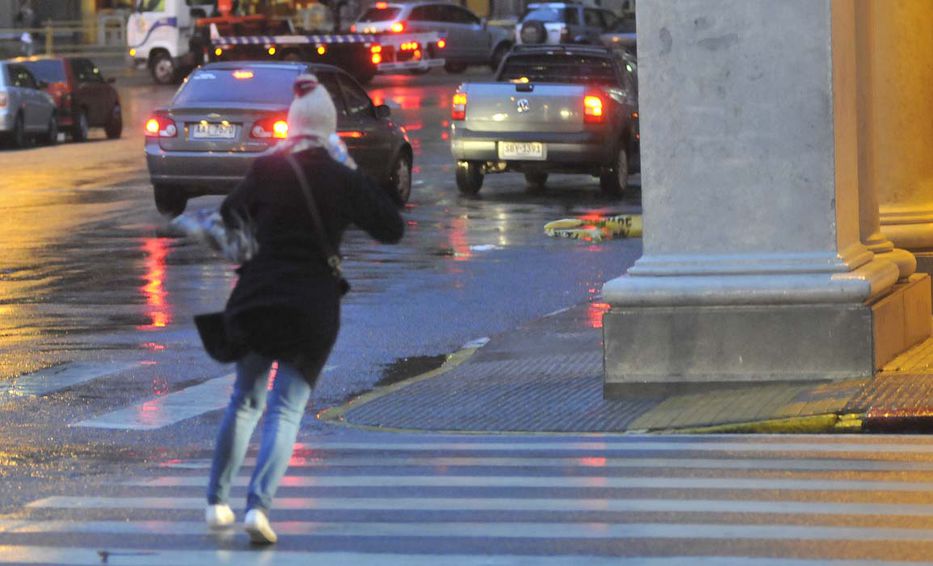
x,y
531,151
202,131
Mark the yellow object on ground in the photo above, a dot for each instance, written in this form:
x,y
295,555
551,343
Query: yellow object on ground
x,y
596,229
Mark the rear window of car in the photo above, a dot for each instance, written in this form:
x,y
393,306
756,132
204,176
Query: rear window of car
x,y
545,14
550,67
48,71
251,85
379,14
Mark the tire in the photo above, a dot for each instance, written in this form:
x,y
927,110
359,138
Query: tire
x,y
18,137
170,201
455,68
114,127
162,69
469,177
535,181
533,32
51,133
81,128
613,180
498,55
399,183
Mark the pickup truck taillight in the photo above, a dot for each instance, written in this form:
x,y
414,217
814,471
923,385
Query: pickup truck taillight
x,y
458,108
593,112
160,127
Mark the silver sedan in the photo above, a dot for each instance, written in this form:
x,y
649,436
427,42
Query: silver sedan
x,y
26,112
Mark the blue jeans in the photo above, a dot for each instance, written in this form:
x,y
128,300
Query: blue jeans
x,y
287,403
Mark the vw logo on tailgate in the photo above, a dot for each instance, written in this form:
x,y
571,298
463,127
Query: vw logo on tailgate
x,y
522,105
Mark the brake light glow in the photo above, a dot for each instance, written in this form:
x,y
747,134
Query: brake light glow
x,y
409,46
321,50
458,108
441,43
272,51
398,27
381,5
350,134
242,75
270,128
377,58
218,52
376,51
353,28
592,109
161,127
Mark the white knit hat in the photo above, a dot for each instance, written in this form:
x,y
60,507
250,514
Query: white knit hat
x,y
312,113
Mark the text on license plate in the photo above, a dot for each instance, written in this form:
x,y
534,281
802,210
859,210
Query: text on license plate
x,y
213,131
522,150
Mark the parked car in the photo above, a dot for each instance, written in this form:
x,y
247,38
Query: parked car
x,y
469,40
562,22
83,97
26,112
227,114
552,109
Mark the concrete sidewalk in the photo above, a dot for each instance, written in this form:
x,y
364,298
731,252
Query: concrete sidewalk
x,y
546,376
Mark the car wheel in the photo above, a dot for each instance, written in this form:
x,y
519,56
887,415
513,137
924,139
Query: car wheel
x,y
170,201
498,55
399,183
455,68
535,181
469,177
51,133
162,69
80,131
114,127
18,136
533,32
614,179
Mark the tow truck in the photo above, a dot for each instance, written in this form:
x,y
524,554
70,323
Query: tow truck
x,y
172,37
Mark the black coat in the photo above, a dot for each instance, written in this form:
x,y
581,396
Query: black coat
x,y
286,303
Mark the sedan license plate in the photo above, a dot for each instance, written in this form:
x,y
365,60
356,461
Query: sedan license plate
x,y
202,131
532,151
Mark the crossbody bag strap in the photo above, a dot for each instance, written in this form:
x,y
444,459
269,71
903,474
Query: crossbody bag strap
x,y
333,258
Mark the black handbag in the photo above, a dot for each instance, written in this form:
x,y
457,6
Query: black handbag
x,y
217,343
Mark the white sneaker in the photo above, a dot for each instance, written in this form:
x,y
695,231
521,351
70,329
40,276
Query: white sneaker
x,y
258,528
219,516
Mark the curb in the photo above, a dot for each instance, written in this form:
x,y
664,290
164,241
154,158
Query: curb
x,y
337,415
813,424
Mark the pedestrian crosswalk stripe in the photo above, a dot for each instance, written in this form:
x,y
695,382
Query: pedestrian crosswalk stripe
x,y
490,530
626,444
592,482
507,504
736,464
168,409
135,557
61,377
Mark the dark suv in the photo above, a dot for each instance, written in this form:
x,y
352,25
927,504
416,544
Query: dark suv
x,y
84,99
563,22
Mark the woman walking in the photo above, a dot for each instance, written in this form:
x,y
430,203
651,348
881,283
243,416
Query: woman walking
x,y
285,307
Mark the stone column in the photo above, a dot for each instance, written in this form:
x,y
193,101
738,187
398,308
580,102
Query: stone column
x,y
753,268
898,50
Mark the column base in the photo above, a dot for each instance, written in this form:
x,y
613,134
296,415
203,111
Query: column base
x,y
707,346
924,262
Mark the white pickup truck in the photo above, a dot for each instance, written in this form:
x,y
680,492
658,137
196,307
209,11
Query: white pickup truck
x,y
551,109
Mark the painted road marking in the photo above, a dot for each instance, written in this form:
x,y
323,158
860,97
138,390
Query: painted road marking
x,y
61,377
588,482
526,530
169,409
507,505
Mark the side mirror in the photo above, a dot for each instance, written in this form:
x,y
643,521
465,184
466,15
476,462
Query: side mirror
x,y
382,111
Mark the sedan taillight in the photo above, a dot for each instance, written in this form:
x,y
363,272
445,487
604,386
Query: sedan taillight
x,y
593,111
269,128
161,127
458,108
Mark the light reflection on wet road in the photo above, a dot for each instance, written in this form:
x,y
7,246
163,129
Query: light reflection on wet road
x,y
87,273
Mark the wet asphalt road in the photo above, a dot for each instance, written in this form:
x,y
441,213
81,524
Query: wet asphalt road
x,y
89,275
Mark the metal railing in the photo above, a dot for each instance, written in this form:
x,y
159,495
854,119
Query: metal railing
x,y
102,36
